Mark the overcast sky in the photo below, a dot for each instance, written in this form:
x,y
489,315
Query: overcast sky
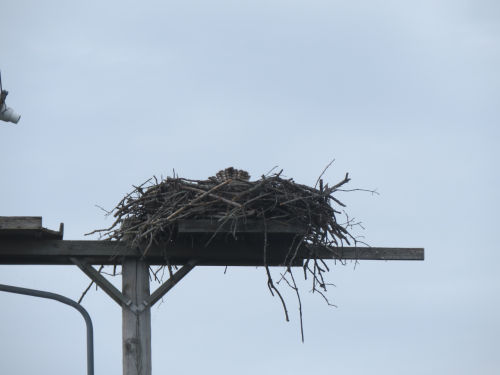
x,y
403,94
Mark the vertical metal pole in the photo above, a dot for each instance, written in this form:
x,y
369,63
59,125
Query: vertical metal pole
x,y
136,323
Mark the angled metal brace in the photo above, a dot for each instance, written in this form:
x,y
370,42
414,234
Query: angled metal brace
x,y
167,285
105,285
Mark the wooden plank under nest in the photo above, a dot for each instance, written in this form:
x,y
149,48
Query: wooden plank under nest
x,y
241,226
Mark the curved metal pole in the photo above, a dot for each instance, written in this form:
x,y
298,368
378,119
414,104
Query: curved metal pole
x,y
67,301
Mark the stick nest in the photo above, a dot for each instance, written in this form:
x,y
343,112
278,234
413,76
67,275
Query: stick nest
x,y
149,215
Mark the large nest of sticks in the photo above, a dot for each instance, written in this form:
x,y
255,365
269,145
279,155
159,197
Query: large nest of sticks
x,y
150,213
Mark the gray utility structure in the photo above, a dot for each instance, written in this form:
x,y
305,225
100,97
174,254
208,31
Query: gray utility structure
x,y
23,240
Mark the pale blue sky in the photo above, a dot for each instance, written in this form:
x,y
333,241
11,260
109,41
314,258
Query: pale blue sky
x,y
403,94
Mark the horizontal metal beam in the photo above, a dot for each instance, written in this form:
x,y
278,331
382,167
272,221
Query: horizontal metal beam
x,y
218,253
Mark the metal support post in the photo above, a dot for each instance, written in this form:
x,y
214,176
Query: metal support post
x,y
136,330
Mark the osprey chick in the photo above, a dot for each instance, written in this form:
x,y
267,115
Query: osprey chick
x,y
232,173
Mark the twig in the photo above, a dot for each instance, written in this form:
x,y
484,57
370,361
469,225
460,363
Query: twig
x,y
323,172
88,288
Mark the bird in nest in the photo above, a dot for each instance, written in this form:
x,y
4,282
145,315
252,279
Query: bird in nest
x,y
231,173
